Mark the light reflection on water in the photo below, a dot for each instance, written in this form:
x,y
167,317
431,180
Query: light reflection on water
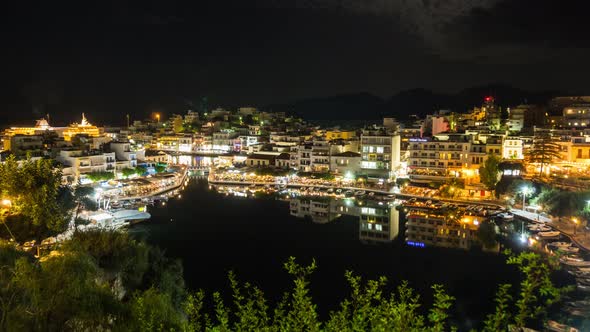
x,y
213,233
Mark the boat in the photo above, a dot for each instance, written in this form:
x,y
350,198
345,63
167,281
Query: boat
x,y
575,263
580,304
569,250
578,312
584,288
558,327
330,190
560,244
360,193
539,228
371,194
549,234
339,191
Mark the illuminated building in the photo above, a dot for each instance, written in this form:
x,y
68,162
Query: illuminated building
x,y
40,127
512,148
81,162
176,143
576,116
312,156
345,163
380,153
339,134
82,128
446,156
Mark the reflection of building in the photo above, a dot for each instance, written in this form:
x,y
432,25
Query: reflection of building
x,y
441,228
320,210
378,222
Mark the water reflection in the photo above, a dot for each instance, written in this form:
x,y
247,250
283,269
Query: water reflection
x,y
382,219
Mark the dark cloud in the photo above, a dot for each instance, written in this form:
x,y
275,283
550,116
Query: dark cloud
x,y
122,56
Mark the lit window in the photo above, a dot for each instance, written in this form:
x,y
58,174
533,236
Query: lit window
x,y
369,164
379,149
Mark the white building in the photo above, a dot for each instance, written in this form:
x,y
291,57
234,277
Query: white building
x,y
123,152
380,153
345,163
83,162
512,148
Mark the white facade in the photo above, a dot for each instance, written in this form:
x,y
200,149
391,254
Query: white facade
x,y
123,152
380,153
512,148
82,162
346,163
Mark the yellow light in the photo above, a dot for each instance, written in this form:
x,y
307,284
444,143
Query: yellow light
x,y
6,202
575,220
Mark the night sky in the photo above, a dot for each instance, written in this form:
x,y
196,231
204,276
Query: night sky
x,y
110,58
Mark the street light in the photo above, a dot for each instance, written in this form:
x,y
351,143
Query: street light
x,y
525,191
576,221
6,204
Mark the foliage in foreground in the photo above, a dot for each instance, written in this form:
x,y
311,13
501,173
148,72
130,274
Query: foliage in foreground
x,y
38,201
105,280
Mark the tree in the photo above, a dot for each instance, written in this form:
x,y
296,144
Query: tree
x,y
160,168
536,295
128,171
100,176
489,172
543,151
33,187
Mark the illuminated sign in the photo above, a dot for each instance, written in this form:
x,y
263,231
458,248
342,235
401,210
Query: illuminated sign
x,y
416,244
418,140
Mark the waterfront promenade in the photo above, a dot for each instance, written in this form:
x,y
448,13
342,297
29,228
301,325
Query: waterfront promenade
x,y
581,237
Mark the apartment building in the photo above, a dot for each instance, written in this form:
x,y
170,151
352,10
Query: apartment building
x,y
439,158
82,162
380,153
123,153
313,156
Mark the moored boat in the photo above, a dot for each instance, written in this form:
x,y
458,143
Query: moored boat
x,y
549,234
